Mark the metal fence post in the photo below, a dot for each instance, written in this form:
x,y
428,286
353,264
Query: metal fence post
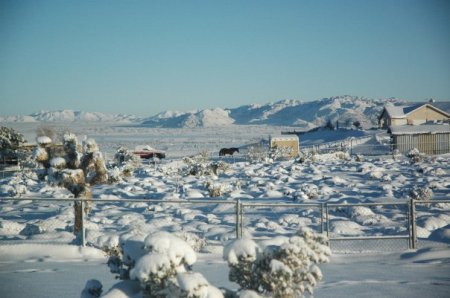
x,y
413,224
408,214
327,219
83,238
238,205
241,221
321,218
351,146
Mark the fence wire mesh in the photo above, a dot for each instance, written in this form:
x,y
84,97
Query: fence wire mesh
x,y
374,227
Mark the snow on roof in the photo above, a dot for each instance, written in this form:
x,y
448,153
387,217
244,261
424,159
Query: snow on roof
x,y
144,148
284,138
420,129
443,106
401,111
43,140
395,111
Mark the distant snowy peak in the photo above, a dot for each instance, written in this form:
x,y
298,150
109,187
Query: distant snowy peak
x,y
204,118
71,116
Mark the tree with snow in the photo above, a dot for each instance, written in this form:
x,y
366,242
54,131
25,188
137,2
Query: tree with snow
x,y
10,140
72,168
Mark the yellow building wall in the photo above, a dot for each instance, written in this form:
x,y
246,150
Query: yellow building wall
x,y
293,146
395,122
425,114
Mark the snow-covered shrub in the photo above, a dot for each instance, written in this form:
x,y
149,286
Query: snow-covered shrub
x,y
280,152
364,215
124,155
359,158
396,154
193,240
415,155
220,166
216,189
123,165
31,229
58,163
191,285
199,165
421,193
307,156
49,132
258,153
306,192
284,269
92,289
40,154
160,264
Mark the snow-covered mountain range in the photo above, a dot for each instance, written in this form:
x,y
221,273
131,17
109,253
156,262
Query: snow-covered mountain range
x,y
345,109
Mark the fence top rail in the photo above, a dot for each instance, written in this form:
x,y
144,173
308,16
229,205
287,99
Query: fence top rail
x,y
7,171
370,237
120,200
367,204
437,201
234,202
318,205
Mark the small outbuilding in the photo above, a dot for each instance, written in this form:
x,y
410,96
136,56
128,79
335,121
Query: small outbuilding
x,y
428,139
288,145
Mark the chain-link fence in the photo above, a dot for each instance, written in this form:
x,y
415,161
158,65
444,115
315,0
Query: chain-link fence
x,y
361,227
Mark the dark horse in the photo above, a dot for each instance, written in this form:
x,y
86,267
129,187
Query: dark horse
x,y
228,151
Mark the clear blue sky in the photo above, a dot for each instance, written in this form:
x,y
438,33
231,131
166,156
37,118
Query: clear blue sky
x,y
144,57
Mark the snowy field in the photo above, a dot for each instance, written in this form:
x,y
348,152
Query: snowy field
x,y
35,236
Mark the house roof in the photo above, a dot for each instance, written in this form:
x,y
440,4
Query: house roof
x,y
419,129
402,111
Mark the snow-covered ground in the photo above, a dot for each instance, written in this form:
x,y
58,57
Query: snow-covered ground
x,y
331,178
57,271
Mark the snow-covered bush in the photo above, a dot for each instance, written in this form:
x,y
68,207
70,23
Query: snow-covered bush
x,y
284,268
92,289
306,192
216,189
46,131
123,165
415,155
280,152
421,193
193,240
161,264
199,165
258,153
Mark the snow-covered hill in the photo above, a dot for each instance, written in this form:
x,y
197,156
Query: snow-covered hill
x,y
71,116
345,109
204,118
